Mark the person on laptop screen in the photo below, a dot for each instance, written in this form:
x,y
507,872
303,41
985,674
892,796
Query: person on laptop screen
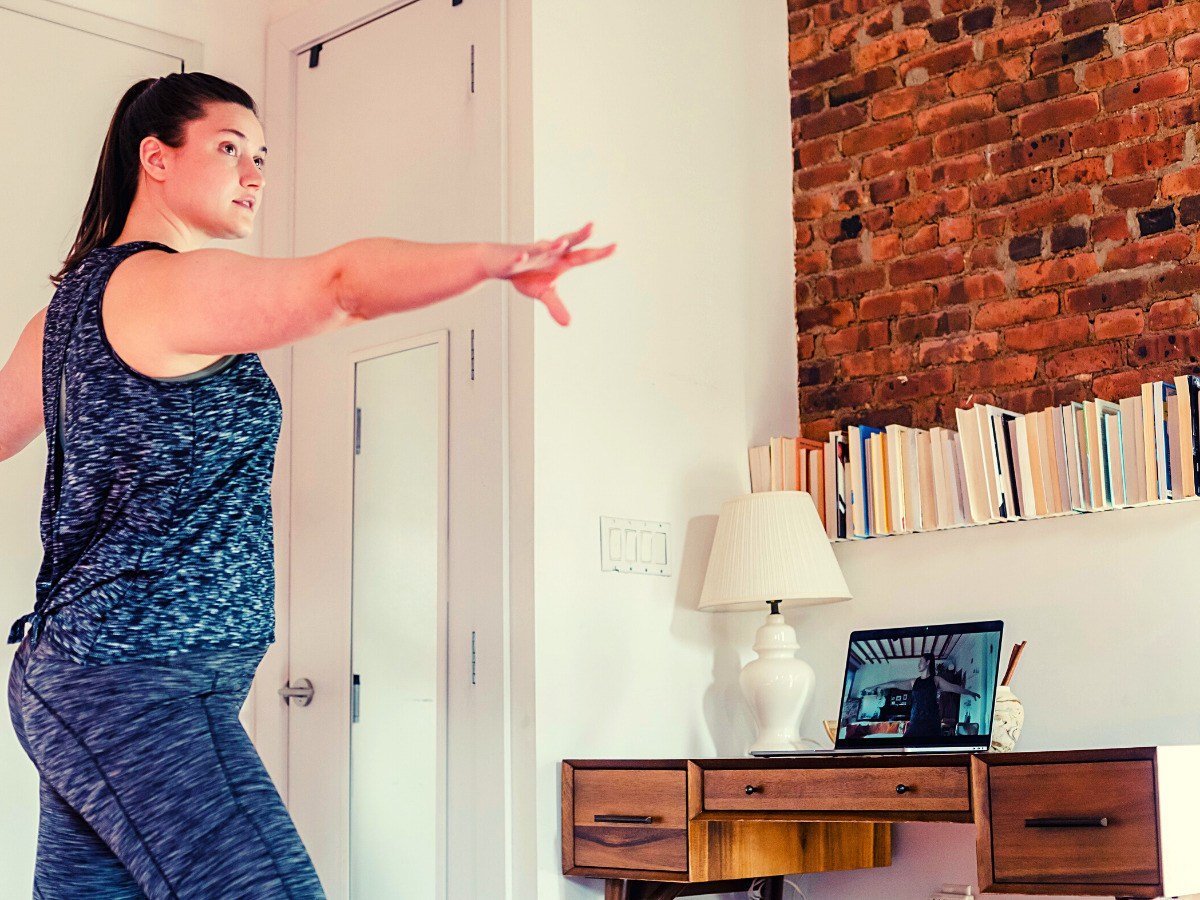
x,y
924,716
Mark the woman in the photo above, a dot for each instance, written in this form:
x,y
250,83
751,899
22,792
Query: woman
x,y
155,598
924,716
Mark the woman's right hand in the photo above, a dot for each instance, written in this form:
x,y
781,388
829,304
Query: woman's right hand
x,y
532,268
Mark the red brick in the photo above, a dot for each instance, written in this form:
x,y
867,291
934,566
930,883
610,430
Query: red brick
x,y
1019,35
850,283
888,188
1119,323
1127,9
818,429
1134,64
1179,113
1167,346
989,74
877,362
1011,188
982,255
970,288
888,48
835,315
1111,228
1172,314
1131,194
814,153
818,372
1082,171
1084,360
930,206
855,337
1128,383
1163,24
969,137
1016,94
810,206
903,302
1037,213
830,120
1057,114
1057,271
999,313
950,321
872,137
1104,295
1052,333
860,86
936,264
1145,90
950,58
803,47
1030,152
902,158
835,396
821,70
846,254
812,262
806,345
955,229
1116,130
1147,156
990,373
950,172
1084,17
964,348
1181,183
884,247
1042,395
925,238
908,387
1161,248
955,112
894,103
818,176
1187,49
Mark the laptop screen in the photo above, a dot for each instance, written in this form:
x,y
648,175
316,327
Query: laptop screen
x,y
926,686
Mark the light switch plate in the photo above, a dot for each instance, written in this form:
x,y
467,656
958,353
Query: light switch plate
x,y
635,545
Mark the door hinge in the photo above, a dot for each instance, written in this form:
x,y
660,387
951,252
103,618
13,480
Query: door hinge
x,y
314,55
472,354
357,430
472,68
354,693
472,657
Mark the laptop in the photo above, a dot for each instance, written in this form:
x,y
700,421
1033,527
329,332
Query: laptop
x,y
921,689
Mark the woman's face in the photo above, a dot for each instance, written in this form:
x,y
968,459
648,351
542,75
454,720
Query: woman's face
x,y
924,666
221,162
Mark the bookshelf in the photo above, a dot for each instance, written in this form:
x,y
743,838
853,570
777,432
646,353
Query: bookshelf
x,y
998,466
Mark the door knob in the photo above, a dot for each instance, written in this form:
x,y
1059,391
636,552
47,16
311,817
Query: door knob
x,y
302,693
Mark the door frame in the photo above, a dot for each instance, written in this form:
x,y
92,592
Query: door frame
x,y
503,793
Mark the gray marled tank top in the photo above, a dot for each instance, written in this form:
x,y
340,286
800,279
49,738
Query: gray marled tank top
x,y
156,507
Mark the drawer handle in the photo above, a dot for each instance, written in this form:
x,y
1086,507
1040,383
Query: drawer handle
x,y
1069,822
752,789
903,788
629,820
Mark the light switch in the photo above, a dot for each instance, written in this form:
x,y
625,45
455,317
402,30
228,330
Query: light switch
x,y
634,546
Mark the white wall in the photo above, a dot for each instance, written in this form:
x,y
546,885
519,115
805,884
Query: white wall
x,y
667,124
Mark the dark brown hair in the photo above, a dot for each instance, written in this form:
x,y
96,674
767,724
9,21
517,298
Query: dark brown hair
x,y
161,107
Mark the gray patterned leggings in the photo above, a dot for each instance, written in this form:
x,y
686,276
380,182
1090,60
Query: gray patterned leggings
x,y
150,786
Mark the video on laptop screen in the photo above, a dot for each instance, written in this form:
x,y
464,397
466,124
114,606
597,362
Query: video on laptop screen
x,y
928,686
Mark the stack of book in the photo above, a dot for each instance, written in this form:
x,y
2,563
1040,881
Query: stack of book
x,y
999,466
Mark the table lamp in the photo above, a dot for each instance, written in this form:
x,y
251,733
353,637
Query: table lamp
x,y
771,548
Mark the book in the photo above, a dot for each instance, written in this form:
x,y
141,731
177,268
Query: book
x,y
1186,388
1009,506
1063,491
979,494
894,446
1115,463
1133,461
929,511
1162,396
912,480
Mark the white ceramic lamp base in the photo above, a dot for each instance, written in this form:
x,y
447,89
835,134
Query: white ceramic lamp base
x,y
777,685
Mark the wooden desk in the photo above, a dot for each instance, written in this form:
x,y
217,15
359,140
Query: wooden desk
x,y
1080,823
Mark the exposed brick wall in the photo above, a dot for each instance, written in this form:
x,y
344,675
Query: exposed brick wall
x,y
993,202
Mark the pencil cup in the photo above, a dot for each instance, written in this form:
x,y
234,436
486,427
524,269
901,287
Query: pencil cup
x,y
1007,720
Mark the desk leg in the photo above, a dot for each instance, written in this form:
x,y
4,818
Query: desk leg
x,y
770,888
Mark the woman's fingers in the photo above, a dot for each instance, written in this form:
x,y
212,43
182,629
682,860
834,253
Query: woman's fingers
x,y
554,303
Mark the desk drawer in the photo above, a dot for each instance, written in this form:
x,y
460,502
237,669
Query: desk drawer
x,y
631,819
1074,823
911,788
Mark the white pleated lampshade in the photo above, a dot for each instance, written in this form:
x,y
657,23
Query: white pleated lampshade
x,y
771,546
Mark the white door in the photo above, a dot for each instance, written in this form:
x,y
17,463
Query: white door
x,y
397,134
398,625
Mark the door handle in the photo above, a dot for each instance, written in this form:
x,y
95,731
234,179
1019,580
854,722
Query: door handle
x,y
302,693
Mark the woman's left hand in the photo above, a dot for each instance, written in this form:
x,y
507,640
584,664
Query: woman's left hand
x,y
532,268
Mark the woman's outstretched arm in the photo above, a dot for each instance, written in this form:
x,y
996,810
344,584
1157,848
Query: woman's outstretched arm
x,y
21,417
219,301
